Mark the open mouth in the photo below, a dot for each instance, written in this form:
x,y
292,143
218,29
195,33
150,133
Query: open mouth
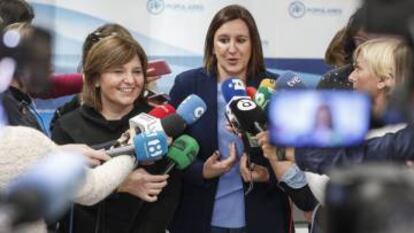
x,y
126,90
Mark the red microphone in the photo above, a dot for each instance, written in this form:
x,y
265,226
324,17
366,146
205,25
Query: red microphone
x,y
251,92
162,111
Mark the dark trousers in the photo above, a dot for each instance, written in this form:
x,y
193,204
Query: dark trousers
x,y
227,230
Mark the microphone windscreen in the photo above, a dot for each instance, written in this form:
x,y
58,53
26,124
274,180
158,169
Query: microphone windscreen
x,y
173,125
289,80
251,92
183,151
247,114
54,180
233,87
162,111
263,96
150,146
269,83
191,109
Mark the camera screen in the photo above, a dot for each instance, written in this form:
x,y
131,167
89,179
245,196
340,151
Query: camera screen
x,y
318,119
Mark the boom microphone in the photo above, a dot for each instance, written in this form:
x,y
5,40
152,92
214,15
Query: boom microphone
x,y
44,190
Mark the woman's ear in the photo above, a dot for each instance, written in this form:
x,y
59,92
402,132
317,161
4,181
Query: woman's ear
x,y
381,84
385,83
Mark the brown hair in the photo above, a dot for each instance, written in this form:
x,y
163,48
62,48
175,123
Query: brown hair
x,y
230,13
107,53
100,33
335,54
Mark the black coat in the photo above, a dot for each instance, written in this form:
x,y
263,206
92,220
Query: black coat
x,y
85,125
19,110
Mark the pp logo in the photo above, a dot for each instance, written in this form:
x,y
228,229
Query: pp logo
x,y
198,112
155,7
297,9
246,105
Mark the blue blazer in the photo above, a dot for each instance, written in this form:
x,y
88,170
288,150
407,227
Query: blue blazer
x,y
267,206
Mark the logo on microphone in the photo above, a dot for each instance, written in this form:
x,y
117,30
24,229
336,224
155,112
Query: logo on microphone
x,y
260,99
155,7
236,84
198,112
294,81
154,146
246,105
297,9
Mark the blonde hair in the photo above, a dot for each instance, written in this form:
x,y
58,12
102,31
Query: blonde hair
x,y
388,59
109,52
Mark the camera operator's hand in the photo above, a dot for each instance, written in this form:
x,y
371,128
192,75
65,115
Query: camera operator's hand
x,y
94,157
214,167
144,185
255,173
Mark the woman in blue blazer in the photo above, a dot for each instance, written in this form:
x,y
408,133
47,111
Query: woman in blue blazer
x,y
213,199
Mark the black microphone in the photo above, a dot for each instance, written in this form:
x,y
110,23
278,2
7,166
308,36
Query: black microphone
x,y
248,115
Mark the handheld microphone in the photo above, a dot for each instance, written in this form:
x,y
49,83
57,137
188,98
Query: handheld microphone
x,y
251,92
182,153
264,93
162,111
247,114
146,146
289,80
191,109
44,190
233,87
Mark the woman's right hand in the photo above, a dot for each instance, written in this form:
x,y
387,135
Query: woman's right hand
x,y
214,167
142,184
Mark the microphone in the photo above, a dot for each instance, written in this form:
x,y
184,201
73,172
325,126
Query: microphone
x,y
182,153
146,146
191,109
251,92
162,111
233,87
264,93
44,190
248,115
289,80
173,125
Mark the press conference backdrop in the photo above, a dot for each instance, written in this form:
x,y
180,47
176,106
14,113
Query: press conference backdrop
x,y
295,33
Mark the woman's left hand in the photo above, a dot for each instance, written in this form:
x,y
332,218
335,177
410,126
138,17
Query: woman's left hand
x,y
257,172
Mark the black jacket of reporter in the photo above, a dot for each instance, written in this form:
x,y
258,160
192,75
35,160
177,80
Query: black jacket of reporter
x,y
86,125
